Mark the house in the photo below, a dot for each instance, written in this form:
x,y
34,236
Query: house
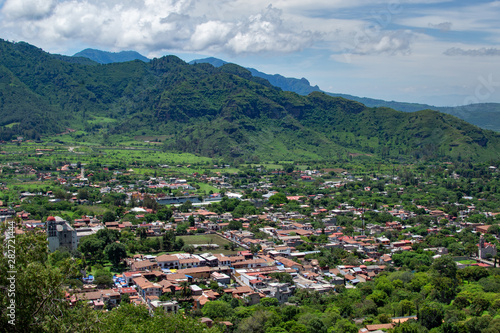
x,y
220,278
146,288
166,261
280,291
167,306
143,265
288,263
189,262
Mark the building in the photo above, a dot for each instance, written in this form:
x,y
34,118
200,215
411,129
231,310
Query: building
x,y
486,250
60,234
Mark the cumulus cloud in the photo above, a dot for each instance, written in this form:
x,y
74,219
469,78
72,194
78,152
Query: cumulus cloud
x,y
455,51
153,25
28,9
266,31
381,42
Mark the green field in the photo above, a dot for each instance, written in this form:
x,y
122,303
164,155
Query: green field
x,y
467,262
210,239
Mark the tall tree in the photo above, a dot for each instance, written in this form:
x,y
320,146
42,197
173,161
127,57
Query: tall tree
x,y
115,252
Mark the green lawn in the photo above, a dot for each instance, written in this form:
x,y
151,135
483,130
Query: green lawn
x,y
210,239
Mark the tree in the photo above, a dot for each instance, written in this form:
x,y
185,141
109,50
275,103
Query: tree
x,y
407,307
185,288
142,232
269,301
168,240
189,248
40,304
179,244
108,216
254,248
91,247
344,326
115,252
278,199
479,304
186,206
125,299
103,278
445,266
165,214
217,310
431,315
191,220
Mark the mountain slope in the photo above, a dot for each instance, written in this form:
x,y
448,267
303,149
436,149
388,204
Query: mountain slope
x,y
223,112
484,115
299,86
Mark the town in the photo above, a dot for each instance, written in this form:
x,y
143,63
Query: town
x,y
185,241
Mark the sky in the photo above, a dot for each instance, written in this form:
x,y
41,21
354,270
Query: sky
x,y
439,52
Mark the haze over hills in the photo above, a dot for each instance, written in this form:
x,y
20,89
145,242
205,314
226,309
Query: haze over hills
x,y
216,112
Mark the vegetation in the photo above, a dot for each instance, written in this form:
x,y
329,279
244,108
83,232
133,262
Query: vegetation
x,y
215,112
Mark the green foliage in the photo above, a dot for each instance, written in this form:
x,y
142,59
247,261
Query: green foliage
x,y
115,253
277,199
224,112
431,315
131,318
217,310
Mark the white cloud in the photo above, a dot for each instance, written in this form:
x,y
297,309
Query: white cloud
x,y
211,33
381,42
29,9
456,51
370,57
152,25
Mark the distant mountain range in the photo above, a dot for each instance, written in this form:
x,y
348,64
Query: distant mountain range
x,y
104,57
484,115
216,112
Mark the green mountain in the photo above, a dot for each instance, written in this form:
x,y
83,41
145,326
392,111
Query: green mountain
x,y
299,86
103,57
224,111
484,115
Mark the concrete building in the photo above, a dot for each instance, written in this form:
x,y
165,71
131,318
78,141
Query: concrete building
x,y
486,250
60,234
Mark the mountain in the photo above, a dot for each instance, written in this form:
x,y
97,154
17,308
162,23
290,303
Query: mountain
x,y
217,112
484,115
103,57
299,86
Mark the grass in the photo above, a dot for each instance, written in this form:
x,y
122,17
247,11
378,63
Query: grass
x,y
467,262
11,125
209,239
101,120
205,239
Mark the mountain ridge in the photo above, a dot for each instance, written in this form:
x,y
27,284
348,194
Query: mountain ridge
x,y
484,115
105,57
219,112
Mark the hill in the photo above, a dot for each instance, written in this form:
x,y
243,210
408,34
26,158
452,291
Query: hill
x,y
484,115
103,57
217,112
299,86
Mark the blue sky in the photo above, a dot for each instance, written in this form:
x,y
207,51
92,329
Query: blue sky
x,y
429,51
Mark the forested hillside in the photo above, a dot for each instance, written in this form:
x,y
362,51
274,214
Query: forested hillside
x,y
212,111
